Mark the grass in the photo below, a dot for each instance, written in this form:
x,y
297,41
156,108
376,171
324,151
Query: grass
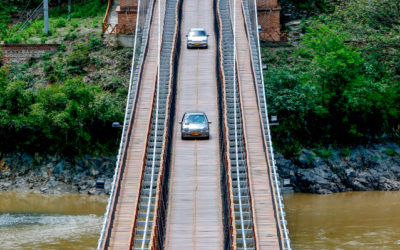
x,y
88,14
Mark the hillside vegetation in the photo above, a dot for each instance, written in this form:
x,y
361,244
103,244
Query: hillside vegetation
x,y
341,85
65,102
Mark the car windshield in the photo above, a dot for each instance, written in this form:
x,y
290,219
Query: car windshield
x,y
197,33
195,119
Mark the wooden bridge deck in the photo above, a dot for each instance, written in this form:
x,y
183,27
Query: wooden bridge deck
x,y
130,184
262,200
194,218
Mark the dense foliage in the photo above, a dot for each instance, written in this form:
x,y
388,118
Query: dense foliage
x,y
65,102
341,85
70,118
316,6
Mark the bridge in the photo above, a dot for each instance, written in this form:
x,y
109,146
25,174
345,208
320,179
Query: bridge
x,y
221,193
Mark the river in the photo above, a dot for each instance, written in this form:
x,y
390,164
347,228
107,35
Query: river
x,y
56,221
352,220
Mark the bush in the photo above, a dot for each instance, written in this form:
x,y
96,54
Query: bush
x,y
341,85
60,23
48,67
69,119
46,56
70,37
95,43
390,152
77,62
62,47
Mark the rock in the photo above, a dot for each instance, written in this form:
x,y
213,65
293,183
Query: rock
x,y
319,180
92,191
107,186
94,172
54,174
44,173
306,158
5,185
23,170
293,23
366,168
59,168
26,159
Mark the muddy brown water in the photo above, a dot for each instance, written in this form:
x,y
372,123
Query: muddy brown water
x,y
353,220
56,221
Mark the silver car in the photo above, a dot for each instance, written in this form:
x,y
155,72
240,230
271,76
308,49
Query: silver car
x,y
197,38
195,125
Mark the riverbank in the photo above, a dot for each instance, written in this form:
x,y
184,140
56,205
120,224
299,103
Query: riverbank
x,y
55,174
362,168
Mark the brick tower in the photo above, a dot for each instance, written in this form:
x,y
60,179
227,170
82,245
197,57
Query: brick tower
x,y
268,12
127,13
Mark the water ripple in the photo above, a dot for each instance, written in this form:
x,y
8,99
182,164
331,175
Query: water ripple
x,y
45,230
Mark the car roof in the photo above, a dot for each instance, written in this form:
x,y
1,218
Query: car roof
x,y
194,113
197,29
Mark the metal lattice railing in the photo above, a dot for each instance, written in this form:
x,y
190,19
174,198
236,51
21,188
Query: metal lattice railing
x,y
242,220
141,37
250,11
149,228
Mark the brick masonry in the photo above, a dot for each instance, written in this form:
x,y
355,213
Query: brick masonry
x,y
128,4
268,12
127,13
19,53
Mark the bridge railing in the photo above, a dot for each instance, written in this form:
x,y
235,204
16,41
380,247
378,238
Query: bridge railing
x,y
139,50
227,195
159,221
105,19
250,11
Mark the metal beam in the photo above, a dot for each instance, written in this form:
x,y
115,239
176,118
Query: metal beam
x,y
46,16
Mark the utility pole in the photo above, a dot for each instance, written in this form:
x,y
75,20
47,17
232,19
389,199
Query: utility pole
x,y
46,16
69,10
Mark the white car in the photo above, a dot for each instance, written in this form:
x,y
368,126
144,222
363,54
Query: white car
x,y
197,38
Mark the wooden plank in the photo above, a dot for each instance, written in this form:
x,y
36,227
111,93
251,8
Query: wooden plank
x,y
127,201
194,218
262,202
